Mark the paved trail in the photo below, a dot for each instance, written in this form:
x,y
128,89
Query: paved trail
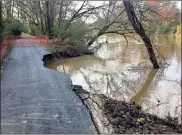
x,y
35,99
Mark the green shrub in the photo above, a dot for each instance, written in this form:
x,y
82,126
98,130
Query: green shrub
x,y
77,32
150,28
76,35
59,46
34,30
1,36
14,28
169,28
178,30
60,31
173,29
163,29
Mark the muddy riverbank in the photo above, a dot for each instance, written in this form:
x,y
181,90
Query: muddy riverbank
x,y
120,117
67,51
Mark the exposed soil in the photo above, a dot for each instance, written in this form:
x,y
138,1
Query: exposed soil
x,y
129,118
67,51
126,118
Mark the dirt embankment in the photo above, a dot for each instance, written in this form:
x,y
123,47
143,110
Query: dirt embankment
x,y
129,118
124,118
66,51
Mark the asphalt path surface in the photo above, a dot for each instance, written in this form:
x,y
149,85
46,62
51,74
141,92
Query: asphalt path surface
x,y
35,99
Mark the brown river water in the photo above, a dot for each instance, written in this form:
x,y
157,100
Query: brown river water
x,y
124,72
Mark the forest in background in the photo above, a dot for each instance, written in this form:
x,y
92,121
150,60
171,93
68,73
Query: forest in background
x,y
83,22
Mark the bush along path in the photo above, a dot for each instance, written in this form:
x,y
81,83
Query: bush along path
x,y
35,99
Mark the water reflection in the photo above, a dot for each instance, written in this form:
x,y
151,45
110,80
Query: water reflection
x,y
144,89
116,72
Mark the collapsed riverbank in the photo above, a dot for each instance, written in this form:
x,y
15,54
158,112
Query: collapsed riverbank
x,y
120,117
111,116
67,51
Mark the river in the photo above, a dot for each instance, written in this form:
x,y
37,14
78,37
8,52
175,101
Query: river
x,y
124,72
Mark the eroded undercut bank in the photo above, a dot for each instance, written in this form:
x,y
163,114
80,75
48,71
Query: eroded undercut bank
x,y
66,52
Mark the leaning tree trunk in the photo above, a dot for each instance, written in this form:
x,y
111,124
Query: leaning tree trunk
x,y
140,30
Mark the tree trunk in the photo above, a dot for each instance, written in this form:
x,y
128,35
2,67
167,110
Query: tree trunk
x,y
49,28
1,22
1,16
42,23
12,10
60,15
140,30
94,38
18,12
37,19
8,11
52,17
41,16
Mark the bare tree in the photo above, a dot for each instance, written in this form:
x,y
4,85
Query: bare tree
x,y
136,24
109,20
83,10
49,26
